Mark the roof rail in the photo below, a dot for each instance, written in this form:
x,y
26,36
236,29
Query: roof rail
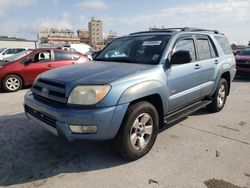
x,y
154,31
178,29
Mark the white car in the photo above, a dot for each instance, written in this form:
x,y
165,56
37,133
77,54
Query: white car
x,y
7,52
82,48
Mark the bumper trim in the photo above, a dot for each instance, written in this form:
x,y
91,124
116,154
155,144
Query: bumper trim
x,y
42,124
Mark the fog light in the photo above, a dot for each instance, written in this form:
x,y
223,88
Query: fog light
x,y
90,129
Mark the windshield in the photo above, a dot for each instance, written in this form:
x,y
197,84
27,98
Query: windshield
x,y
2,49
135,49
18,56
246,51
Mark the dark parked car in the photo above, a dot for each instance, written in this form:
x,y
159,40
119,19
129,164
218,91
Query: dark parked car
x,y
243,61
21,69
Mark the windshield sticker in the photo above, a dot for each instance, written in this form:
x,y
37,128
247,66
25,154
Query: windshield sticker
x,y
151,43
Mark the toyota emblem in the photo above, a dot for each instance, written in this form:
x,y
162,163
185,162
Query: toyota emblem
x,y
45,92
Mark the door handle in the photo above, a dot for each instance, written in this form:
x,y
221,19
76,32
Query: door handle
x,y
216,62
49,65
73,63
197,66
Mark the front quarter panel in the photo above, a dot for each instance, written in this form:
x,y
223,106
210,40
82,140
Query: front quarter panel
x,y
138,86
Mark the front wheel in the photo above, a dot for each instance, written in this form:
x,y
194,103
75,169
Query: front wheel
x,y
220,97
139,131
12,83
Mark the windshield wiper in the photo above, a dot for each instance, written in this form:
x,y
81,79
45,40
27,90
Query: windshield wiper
x,y
5,60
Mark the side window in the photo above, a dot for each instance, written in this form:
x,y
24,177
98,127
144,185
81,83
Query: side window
x,y
63,55
9,51
19,50
186,44
203,48
44,56
225,45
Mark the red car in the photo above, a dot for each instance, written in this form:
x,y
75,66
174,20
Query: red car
x,y
243,61
21,69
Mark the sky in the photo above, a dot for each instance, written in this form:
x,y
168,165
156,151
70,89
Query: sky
x,y
24,18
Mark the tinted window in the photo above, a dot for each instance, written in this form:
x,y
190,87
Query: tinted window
x,y
246,51
10,51
203,49
19,50
187,45
63,55
224,44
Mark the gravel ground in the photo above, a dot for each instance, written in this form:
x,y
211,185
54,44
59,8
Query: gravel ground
x,y
202,151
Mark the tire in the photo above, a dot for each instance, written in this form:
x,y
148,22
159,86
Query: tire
x,y
138,131
12,83
220,97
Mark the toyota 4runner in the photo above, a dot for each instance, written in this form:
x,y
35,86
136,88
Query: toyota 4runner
x,y
135,85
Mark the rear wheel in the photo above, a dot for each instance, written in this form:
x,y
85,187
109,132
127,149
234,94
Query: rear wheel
x,y
12,83
138,131
220,97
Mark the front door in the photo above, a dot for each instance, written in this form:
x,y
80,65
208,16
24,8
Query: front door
x,y
184,80
39,63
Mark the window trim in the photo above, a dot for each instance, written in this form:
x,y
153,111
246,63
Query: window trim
x,y
211,45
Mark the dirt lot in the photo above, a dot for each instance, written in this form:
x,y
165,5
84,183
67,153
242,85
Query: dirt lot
x,y
204,150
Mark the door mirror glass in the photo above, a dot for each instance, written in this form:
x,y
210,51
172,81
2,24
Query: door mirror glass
x,y
181,57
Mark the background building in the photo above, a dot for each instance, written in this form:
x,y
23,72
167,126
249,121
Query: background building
x,y
6,42
111,36
58,36
83,34
95,32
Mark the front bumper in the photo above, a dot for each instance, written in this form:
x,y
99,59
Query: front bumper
x,y
58,119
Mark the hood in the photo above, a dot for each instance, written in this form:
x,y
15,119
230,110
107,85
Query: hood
x,y
94,73
242,58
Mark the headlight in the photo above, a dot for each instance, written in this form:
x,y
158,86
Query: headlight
x,y
88,95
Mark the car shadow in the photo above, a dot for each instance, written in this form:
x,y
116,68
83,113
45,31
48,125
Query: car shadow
x,y
29,153
242,78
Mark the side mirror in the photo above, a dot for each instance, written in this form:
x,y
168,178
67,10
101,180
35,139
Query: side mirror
x,y
181,57
28,61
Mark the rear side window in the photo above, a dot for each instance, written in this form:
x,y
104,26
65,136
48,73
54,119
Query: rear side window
x,y
203,49
225,45
63,55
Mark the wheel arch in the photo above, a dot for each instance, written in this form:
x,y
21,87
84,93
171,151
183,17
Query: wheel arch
x,y
227,77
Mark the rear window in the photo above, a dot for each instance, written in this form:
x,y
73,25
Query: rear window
x,y
225,45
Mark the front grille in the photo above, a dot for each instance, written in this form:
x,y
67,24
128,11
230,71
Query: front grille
x,y
42,117
51,90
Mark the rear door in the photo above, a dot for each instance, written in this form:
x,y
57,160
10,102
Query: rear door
x,y
184,80
209,60
64,58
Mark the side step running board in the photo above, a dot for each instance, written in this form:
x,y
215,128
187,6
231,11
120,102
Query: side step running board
x,y
173,117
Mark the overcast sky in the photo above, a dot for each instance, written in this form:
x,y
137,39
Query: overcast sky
x,y
23,18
